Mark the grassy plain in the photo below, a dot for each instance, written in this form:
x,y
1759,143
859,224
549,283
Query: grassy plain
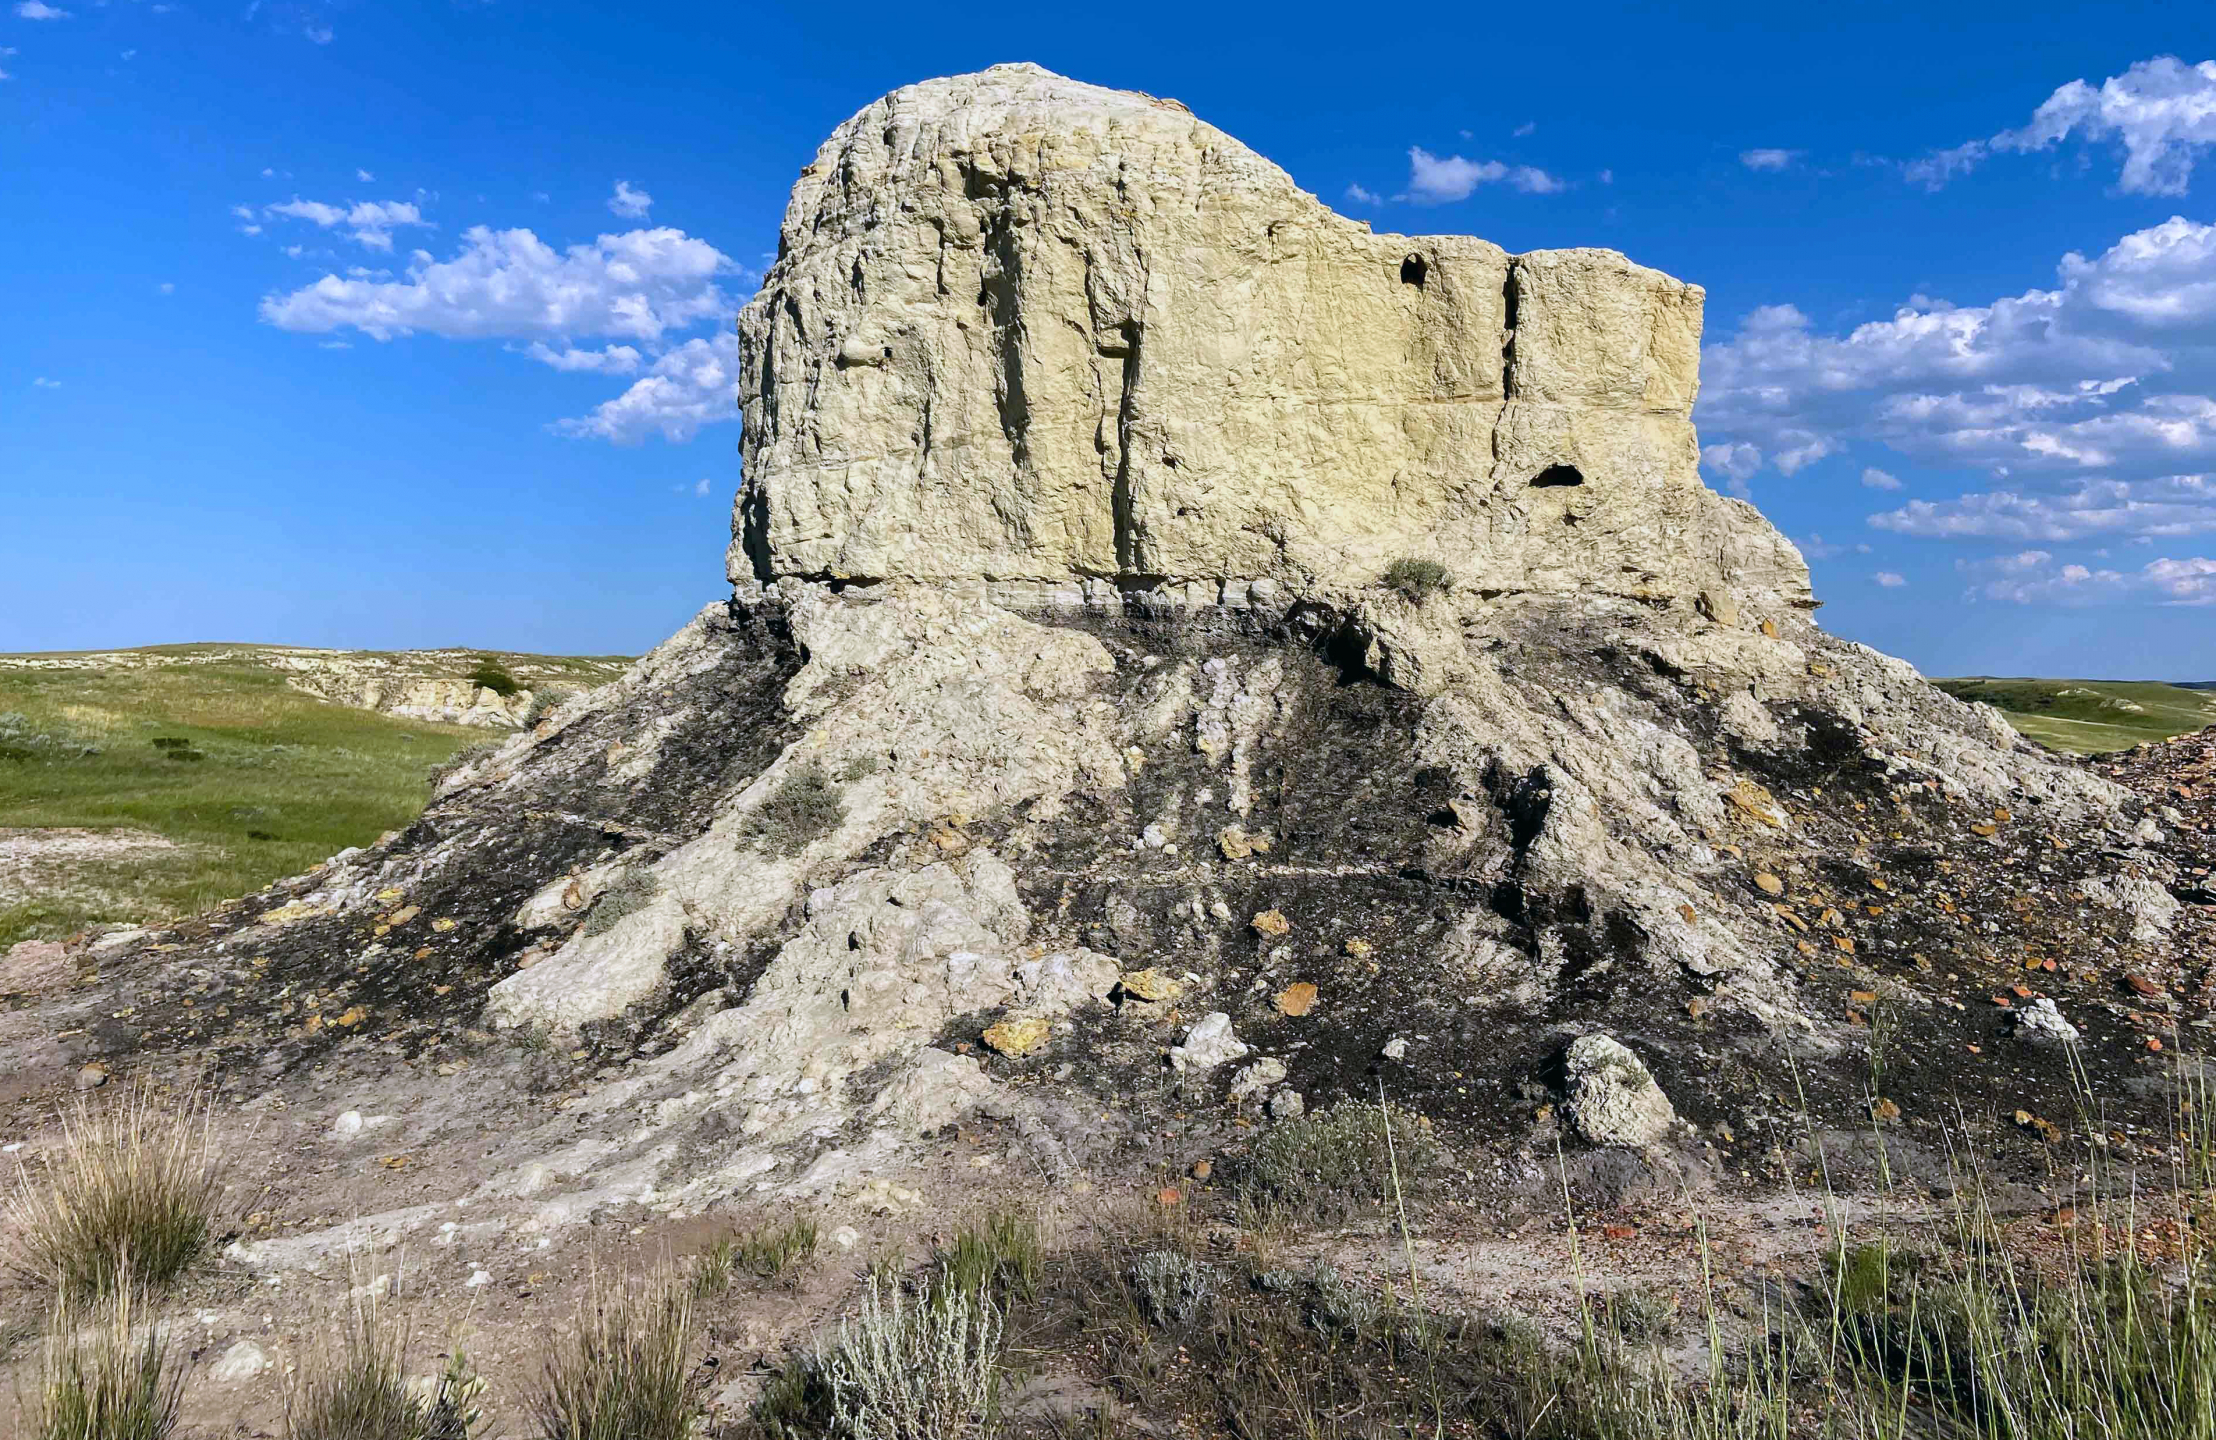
x,y
2087,717
250,779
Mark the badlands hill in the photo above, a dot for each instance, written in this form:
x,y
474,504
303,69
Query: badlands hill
x,y
1192,661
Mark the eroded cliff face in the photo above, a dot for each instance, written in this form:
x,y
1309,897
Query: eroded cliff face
x,y
1046,333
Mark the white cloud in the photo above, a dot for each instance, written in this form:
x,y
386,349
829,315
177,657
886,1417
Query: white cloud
x,y
1877,479
609,360
1734,462
364,176
42,383
39,10
1767,159
1607,177
2106,380
509,284
2162,111
693,385
1816,547
1433,181
702,488
629,203
2174,505
1889,579
1358,196
167,287
1521,130
2033,578
371,222
294,252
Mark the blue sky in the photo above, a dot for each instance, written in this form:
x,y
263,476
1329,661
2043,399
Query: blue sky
x,y
390,324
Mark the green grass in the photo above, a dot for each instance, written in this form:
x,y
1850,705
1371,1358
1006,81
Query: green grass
x,y
255,779
2087,717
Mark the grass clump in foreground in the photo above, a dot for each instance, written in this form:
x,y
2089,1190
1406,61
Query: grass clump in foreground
x,y
1002,1256
107,1373
133,1195
357,1388
624,1371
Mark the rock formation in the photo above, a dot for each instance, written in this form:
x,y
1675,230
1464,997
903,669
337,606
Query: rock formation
x,y
1072,340
1123,767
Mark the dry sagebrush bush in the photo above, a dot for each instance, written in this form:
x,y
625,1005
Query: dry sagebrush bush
x,y
135,1190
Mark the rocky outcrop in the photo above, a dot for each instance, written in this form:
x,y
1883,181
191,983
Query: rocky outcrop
x,y
1127,804
1073,339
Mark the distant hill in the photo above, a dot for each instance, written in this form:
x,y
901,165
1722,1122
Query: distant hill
x,y
2088,717
136,784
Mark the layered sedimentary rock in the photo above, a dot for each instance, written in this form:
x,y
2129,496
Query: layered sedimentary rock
x,y
1032,330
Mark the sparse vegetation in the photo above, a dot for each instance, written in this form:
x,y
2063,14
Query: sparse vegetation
x,y
132,1195
1173,1288
624,1372
357,1387
1340,1162
1417,580
803,809
1003,1256
766,1252
108,1373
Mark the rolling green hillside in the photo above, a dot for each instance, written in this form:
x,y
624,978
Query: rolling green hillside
x,y
2086,717
136,785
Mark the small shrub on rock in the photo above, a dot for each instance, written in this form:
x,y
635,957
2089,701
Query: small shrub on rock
x,y
1417,580
1340,1162
803,809
627,896
356,1387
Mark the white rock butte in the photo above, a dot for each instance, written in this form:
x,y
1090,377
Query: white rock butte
x,y
1030,330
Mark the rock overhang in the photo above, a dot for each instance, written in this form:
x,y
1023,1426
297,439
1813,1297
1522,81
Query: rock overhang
x,y
1027,330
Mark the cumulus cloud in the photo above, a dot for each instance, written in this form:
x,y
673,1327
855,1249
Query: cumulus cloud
x,y
702,488
39,10
1356,195
2161,111
1739,462
2173,505
42,383
509,284
1876,479
2092,402
1767,159
1890,580
608,360
371,223
1436,181
2032,577
629,203
694,384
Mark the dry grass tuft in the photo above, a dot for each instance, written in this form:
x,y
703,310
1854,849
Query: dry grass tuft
x,y
134,1193
356,1387
108,1373
624,1373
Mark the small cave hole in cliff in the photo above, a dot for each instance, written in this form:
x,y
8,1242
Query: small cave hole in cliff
x,y
1555,475
1413,270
